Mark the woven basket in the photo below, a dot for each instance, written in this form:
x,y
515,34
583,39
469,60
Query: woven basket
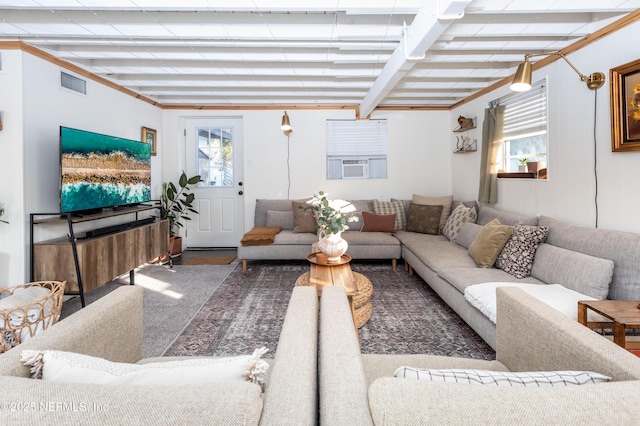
x,y
18,323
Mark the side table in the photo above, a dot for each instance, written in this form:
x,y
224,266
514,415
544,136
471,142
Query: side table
x,y
358,287
624,314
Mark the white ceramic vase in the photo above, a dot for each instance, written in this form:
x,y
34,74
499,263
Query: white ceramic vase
x,y
334,246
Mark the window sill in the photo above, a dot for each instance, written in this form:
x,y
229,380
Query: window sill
x,y
521,175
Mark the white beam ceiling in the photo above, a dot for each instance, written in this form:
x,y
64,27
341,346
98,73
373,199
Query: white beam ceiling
x,y
284,52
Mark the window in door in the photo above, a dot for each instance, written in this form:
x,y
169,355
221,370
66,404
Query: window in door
x,y
215,157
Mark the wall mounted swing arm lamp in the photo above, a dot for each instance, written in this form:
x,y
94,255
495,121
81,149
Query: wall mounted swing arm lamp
x,y
522,77
286,125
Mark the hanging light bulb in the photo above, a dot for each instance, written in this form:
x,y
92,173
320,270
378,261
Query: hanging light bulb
x,y
286,125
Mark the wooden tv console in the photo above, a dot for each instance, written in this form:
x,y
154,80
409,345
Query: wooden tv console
x,y
88,263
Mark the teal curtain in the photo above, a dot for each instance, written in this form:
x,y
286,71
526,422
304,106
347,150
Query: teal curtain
x,y
491,147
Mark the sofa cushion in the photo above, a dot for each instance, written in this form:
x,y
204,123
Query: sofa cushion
x,y
356,208
304,220
462,277
283,219
295,238
486,214
458,217
373,222
263,205
358,238
438,253
623,248
516,258
424,219
489,242
580,272
565,300
521,379
468,232
445,202
392,207
69,367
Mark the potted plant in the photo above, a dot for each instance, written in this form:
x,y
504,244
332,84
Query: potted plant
x,y
331,222
176,204
523,165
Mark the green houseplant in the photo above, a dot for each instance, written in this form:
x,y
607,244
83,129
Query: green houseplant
x,y
176,204
523,165
331,222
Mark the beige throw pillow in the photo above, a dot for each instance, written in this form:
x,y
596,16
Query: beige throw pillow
x,y
489,242
445,202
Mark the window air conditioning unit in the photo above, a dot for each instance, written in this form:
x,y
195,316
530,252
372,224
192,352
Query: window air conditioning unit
x,y
355,169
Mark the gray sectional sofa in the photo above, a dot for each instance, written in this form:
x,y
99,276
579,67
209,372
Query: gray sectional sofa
x,y
594,262
111,328
292,245
357,389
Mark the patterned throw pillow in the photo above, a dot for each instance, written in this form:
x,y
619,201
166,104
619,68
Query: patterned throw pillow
x,y
392,207
517,255
424,219
459,216
534,379
445,202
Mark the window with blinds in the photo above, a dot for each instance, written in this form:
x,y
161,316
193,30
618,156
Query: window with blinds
x,y
356,149
525,127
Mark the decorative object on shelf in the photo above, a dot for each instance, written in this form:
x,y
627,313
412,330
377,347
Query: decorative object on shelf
x,y
625,107
29,309
523,165
465,124
150,136
466,144
176,204
330,222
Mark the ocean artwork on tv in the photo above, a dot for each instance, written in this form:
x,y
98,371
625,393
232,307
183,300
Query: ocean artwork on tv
x,y
100,171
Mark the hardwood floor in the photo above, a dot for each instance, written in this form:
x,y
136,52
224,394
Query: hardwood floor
x,y
188,254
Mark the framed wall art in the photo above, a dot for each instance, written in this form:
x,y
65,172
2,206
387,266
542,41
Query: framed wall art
x,y
150,136
625,107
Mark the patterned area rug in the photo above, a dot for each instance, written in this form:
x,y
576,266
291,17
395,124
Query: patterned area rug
x,y
248,308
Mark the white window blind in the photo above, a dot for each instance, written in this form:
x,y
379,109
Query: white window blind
x,y
356,138
360,141
526,112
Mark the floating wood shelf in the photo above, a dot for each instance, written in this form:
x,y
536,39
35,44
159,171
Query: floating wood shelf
x,y
464,151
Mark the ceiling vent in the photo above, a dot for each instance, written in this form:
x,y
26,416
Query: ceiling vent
x,y
72,82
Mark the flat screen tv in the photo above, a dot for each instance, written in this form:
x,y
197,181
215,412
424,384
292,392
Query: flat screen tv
x,y
100,171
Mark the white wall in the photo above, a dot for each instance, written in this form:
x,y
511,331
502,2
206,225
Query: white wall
x,y
44,106
12,240
569,192
418,155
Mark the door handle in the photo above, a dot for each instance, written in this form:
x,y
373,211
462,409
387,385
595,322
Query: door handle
x,y
240,192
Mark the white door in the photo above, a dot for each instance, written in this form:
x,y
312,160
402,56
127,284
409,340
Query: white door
x,y
214,151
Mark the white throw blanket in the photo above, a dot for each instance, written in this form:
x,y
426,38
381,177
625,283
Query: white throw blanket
x,y
483,297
